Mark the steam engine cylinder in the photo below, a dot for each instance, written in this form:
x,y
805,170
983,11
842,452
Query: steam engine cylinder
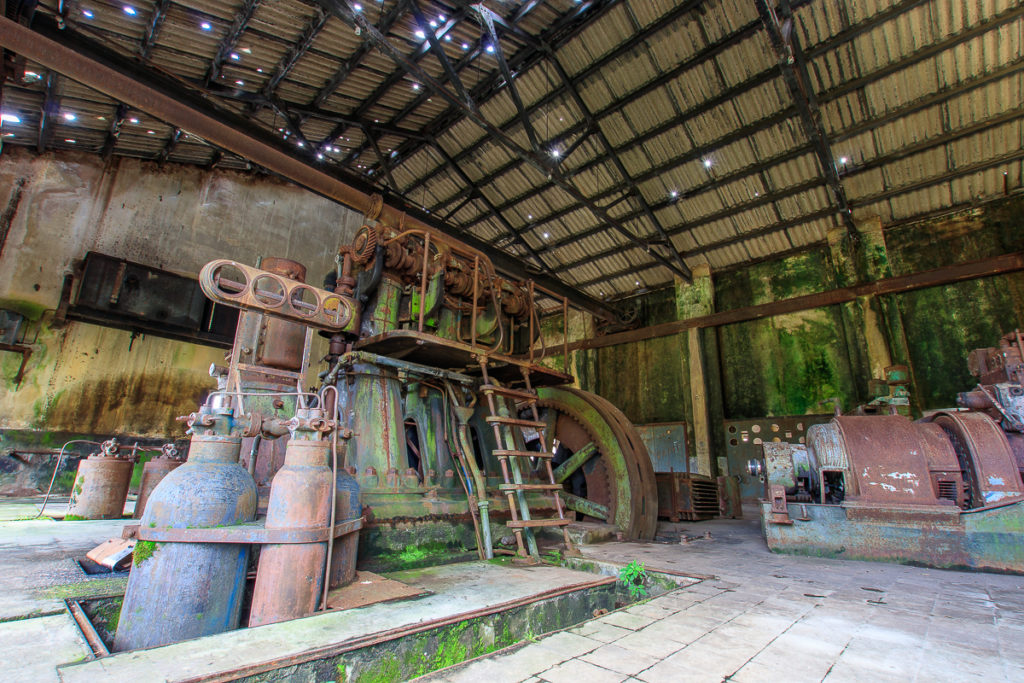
x,y
178,591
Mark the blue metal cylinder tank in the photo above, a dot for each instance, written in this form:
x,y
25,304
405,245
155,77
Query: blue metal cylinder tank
x,y
178,591
346,548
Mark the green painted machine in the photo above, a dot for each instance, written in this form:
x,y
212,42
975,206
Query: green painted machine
x,y
460,442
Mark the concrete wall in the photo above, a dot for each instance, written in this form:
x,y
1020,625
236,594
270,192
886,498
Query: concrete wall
x,y
56,207
794,364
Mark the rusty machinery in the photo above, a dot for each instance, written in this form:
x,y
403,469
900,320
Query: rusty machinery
x,y
944,491
432,434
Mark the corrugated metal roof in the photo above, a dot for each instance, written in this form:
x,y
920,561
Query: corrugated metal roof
x,y
919,100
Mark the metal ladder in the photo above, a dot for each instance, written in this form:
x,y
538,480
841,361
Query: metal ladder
x,y
522,522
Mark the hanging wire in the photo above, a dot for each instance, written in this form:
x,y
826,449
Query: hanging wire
x,y
60,459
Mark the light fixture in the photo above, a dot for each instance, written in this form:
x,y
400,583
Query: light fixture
x,y
9,118
465,46
8,135
433,24
357,7
415,86
235,56
259,70
420,34
31,76
490,48
555,152
133,120
447,38
68,116
70,140
247,50
151,132
529,216
129,10
206,26
319,155
87,13
239,82
673,194
440,17
300,143
707,163
843,160
547,235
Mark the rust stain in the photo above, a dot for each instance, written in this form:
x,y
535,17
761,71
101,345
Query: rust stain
x,y
148,402
7,217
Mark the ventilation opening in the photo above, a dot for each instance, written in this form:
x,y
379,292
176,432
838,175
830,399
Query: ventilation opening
x,y
834,484
947,489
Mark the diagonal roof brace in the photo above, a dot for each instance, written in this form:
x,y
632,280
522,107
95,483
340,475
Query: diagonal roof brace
x,y
794,72
344,10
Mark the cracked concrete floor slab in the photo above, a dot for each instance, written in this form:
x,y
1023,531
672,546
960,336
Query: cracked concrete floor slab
x,y
767,617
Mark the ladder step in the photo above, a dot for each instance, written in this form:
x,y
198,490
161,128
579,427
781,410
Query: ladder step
x,y
523,523
521,454
520,394
514,422
530,487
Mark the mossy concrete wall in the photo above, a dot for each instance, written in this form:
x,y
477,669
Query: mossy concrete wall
x,y
88,379
800,363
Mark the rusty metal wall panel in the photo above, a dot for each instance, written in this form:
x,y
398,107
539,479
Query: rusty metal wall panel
x,y
743,440
666,443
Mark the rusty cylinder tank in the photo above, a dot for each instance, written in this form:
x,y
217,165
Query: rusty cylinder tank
x,y
289,580
101,487
345,552
153,472
178,591
281,342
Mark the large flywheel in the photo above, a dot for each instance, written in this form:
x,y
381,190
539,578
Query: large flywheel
x,y
601,461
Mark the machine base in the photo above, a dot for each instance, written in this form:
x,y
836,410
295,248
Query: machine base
x,y
984,539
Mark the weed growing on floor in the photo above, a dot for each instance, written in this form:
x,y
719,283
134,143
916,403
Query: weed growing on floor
x,y
633,576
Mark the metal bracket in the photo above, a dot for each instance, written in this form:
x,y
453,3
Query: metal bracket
x,y
253,532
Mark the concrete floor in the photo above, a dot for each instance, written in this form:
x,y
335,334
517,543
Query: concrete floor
x,y
761,617
769,617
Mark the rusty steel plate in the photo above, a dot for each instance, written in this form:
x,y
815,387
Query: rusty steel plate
x,y
743,440
666,444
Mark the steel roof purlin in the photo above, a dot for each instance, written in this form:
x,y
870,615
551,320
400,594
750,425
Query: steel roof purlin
x,y
595,142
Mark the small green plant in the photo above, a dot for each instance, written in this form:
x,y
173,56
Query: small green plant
x,y
554,556
633,576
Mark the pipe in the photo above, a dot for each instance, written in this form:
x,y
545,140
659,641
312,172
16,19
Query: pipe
x,y
353,357
254,452
60,458
478,478
334,491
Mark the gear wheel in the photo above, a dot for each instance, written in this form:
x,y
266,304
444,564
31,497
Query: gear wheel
x,y
621,478
364,245
573,433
